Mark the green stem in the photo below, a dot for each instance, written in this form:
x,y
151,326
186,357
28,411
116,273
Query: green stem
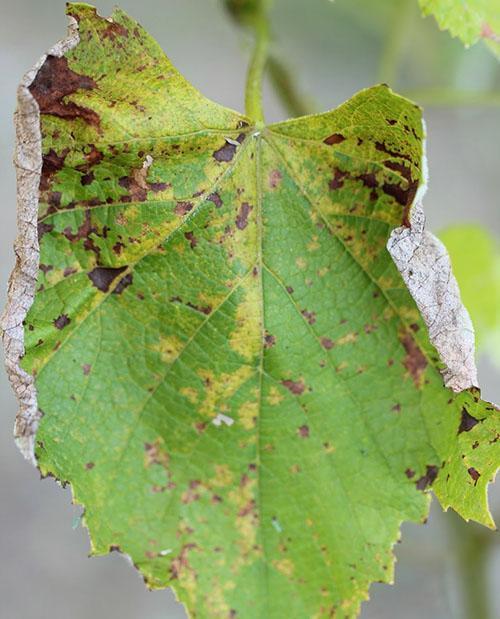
x,y
253,92
293,101
472,547
395,41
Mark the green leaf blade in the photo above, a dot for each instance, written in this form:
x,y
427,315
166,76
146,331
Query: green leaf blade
x,y
232,374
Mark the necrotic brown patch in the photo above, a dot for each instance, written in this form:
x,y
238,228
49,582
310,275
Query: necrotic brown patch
x,y
414,361
429,477
51,164
295,387
55,81
102,277
467,422
242,217
335,138
61,321
225,153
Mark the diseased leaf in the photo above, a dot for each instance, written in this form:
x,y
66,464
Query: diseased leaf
x,y
475,256
470,21
231,372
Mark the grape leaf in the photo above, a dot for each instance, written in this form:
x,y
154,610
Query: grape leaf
x,y
475,256
229,368
470,21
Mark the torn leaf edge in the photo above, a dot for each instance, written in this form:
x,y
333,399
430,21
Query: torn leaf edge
x,y
22,281
425,266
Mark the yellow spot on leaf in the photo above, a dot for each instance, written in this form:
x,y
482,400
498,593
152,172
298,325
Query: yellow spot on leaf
x,y
285,566
247,414
246,337
169,348
274,397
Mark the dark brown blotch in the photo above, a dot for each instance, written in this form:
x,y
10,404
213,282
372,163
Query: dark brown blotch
x,y
225,153
467,422
193,241
242,216
44,228
51,164
295,387
327,343
123,283
429,477
414,361
54,82
474,473
62,321
216,199
103,277
303,431
269,340
335,138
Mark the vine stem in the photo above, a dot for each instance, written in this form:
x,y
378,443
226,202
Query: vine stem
x,y
256,68
472,554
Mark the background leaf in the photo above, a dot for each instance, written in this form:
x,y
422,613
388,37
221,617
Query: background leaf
x,y
470,21
476,263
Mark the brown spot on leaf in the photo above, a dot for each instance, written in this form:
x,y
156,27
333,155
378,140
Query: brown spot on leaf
x,y
474,474
87,179
295,387
309,316
429,477
247,509
89,466
69,271
275,177
401,195
51,164
180,563
225,153
242,217
216,199
54,82
102,277
410,473
193,241
83,232
86,369
182,208
158,186
118,247
327,343
62,321
125,281
382,147
335,138
303,431
414,361
269,340
136,184
368,179
467,422
114,30
93,157
338,179
43,228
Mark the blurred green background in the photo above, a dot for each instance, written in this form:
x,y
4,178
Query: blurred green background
x,y
331,50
